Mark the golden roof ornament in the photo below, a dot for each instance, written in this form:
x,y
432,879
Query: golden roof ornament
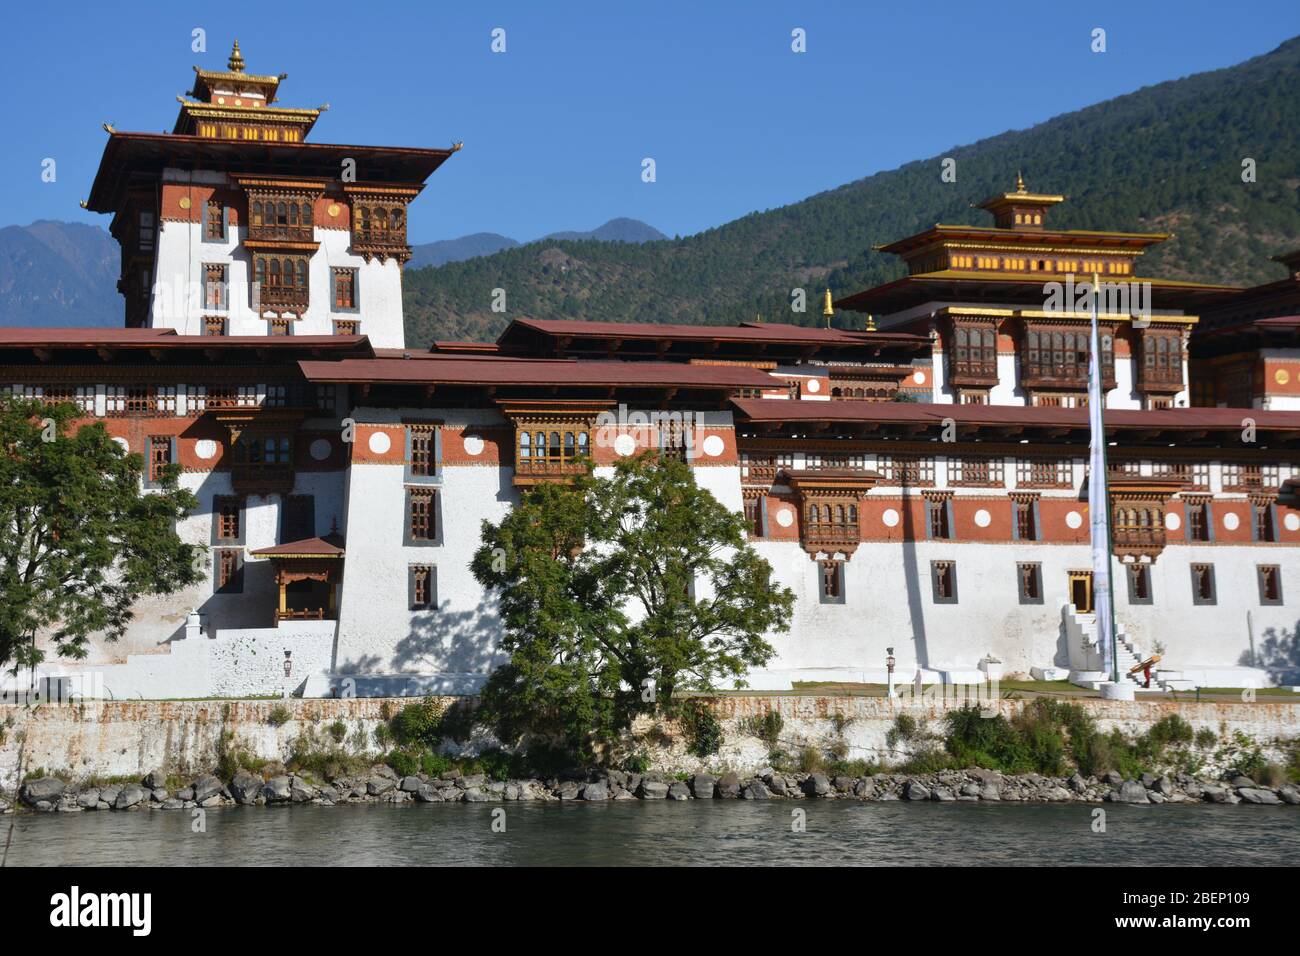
x,y
827,309
871,322
236,62
1020,183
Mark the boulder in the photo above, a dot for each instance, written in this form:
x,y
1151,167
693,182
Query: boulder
x,y
173,804
378,785
653,790
474,780
1148,780
1077,783
985,776
159,795
729,785
128,798
88,799
915,790
1258,795
276,790
300,791
1056,794
1289,795
427,794
206,787
479,795
864,789
1130,791
970,790
411,784
383,770
512,791
154,780
1241,780
1113,779
596,792
46,789
212,801
817,785
245,787
678,790
570,791
702,785
990,791
186,793
942,794
756,790
1164,786
842,783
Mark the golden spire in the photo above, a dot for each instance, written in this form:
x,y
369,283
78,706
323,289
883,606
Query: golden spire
x,y
827,309
1020,182
871,322
236,63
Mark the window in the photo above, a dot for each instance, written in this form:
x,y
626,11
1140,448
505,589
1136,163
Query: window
x,y
280,327
214,221
326,398
1203,584
1263,518
1030,580
1270,583
297,518
422,587
1026,519
280,280
832,581
228,511
228,565
215,287
938,517
906,469
1044,473
277,396
162,449
1198,521
344,297
753,521
976,471
347,327
146,231
421,451
1139,583
943,578
214,325
421,515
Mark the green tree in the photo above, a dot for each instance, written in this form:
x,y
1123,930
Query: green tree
x,y
79,540
615,593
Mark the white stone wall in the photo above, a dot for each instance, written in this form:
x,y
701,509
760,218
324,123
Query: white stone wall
x,y
178,277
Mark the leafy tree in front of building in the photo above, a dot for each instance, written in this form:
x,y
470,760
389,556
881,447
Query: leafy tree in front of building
x,y
616,593
80,541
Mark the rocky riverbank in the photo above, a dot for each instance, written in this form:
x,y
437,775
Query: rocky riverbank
x,y
382,785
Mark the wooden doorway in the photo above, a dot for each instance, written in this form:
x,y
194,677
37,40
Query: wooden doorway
x,y
1081,591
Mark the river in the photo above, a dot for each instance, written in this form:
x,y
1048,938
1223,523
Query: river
x,y
641,833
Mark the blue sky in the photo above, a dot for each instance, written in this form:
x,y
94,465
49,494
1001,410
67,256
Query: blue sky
x,y
556,127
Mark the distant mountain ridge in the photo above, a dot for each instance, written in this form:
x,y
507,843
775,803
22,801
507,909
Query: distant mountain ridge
x,y
1166,158
58,273
485,243
65,273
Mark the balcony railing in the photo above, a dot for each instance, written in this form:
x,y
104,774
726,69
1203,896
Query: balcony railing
x,y
298,233
303,614
1138,539
548,469
830,534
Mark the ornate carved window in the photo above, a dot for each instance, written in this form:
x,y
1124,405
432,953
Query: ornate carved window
x,y
973,356
1270,583
977,471
831,572
1029,577
1203,584
285,216
938,515
215,287
914,470
1162,359
228,510
379,222
1044,473
281,281
943,579
347,327
214,325
422,587
229,568
344,298
1198,519
1057,356
422,524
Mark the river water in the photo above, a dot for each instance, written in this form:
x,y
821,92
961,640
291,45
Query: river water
x,y
641,833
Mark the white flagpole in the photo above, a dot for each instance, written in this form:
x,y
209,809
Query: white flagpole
x,y
1098,503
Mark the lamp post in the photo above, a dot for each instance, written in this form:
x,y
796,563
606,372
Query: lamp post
x,y
288,669
889,669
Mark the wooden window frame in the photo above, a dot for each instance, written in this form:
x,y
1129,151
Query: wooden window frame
x,y
937,569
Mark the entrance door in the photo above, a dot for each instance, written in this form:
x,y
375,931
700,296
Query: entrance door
x,y
1081,591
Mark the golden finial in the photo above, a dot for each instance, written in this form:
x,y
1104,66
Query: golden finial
x,y
236,62
827,309
871,322
457,146
758,317
82,204
108,128
1020,182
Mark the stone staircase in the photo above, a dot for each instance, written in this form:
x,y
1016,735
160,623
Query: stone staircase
x,y
1083,629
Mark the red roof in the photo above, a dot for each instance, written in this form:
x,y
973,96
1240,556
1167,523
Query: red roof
x,y
496,370
746,332
153,338
90,336
330,546
772,410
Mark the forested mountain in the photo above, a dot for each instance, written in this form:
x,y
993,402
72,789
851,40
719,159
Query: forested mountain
x,y
58,273
1167,158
